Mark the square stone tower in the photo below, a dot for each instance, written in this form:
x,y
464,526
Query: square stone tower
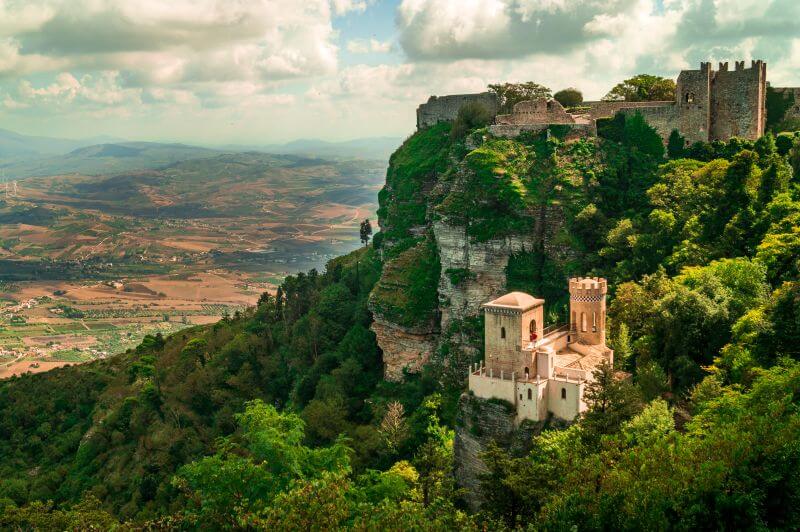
x,y
587,302
738,101
693,103
511,322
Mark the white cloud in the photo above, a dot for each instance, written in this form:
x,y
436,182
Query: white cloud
x,y
341,7
102,90
184,39
271,68
364,46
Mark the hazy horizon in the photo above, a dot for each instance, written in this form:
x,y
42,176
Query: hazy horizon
x,y
272,71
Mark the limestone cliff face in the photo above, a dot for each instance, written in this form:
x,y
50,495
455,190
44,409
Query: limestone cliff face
x,y
479,423
452,216
404,348
472,272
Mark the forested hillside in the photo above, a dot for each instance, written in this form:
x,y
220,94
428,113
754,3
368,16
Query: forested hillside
x,y
279,418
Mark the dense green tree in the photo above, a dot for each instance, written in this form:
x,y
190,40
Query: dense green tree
x,y
642,88
570,97
509,94
676,145
470,116
610,402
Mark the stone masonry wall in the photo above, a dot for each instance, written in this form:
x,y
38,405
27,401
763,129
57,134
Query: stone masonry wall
x,y
693,104
576,131
602,109
445,108
738,101
541,111
664,119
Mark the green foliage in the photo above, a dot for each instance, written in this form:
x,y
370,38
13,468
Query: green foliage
x,y
611,402
407,290
777,104
643,88
412,170
492,200
509,94
470,116
569,97
535,273
654,423
459,275
676,145
732,468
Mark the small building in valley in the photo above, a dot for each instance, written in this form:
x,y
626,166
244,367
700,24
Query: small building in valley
x,y
543,371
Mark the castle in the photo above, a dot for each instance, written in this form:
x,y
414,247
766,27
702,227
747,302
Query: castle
x,y
709,105
540,371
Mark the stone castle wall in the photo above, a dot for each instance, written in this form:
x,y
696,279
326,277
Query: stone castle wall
x,y
574,131
541,111
738,101
663,118
709,105
445,108
602,109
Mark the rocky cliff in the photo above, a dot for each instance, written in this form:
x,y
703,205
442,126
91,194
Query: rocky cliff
x,y
464,220
479,423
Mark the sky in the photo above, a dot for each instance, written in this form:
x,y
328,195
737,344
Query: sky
x,y
263,71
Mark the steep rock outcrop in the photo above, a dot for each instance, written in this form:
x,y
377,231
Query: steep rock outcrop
x,y
404,348
405,307
479,423
472,272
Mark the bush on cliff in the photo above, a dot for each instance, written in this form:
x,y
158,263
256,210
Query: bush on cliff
x,y
412,172
406,293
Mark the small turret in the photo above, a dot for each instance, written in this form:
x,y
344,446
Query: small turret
x,y
587,301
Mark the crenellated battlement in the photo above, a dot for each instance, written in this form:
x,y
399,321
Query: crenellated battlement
x,y
542,371
709,105
580,287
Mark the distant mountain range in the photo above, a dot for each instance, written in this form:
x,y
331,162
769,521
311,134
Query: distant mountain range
x,y
366,148
26,156
14,145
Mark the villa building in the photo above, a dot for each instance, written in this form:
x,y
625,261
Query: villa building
x,y
540,371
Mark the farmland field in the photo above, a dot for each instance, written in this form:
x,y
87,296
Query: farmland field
x,y
44,324
91,264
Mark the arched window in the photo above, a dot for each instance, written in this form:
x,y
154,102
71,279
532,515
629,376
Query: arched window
x,y
532,331
527,373
689,98
530,394
563,393
502,332
594,321
583,322
574,321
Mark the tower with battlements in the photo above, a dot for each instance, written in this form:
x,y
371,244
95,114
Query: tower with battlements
x,y
709,105
542,371
587,303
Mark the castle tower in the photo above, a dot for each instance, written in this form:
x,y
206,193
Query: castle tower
x,y
693,103
738,101
587,302
511,322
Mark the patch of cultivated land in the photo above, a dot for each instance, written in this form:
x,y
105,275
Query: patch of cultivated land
x,y
89,264
52,323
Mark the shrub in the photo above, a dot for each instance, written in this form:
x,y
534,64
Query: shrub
x,y
570,97
470,116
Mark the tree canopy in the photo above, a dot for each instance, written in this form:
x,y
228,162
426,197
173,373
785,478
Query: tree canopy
x,y
643,88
